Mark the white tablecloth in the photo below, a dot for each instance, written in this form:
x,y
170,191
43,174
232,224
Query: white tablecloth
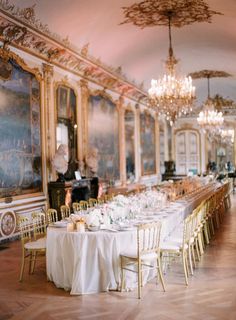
x,y
89,262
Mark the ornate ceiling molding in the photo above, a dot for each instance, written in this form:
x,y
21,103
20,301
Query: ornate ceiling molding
x,y
21,28
150,13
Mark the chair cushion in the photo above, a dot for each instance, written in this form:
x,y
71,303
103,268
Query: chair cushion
x,y
172,246
133,255
36,245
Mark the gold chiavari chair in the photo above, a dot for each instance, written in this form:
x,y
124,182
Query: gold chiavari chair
x,y
65,211
30,248
52,216
205,229
228,191
194,234
174,247
75,207
218,207
210,214
83,205
101,200
39,225
92,202
147,254
223,203
199,233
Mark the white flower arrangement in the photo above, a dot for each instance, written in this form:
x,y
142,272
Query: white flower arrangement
x,y
94,218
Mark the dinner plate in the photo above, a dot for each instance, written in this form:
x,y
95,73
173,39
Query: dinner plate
x,y
58,224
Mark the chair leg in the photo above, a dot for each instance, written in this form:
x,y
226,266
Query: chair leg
x,y
200,244
34,256
206,233
30,262
190,259
139,279
197,249
185,268
159,264
22,267
193,255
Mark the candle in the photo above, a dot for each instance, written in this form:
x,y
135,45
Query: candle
x,y
70,227
80,226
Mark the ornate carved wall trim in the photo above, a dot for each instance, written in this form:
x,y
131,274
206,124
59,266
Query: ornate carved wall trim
x,y
35,38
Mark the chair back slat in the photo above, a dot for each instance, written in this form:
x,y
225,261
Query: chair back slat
x,y
65,211
75,207
148,237
92,202
83,205
39,224
25,228
52,215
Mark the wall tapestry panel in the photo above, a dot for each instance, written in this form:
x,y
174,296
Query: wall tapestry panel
x,y
148,150
129,145
20,143
103,135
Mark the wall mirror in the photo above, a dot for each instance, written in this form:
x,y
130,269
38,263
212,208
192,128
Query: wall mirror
x,y
148,144
130,145
66,132
103,136
20,131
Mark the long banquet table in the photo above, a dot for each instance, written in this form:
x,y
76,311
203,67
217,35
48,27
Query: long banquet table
x,y
88,262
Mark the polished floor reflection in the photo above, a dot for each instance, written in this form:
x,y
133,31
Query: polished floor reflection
x,y
211,293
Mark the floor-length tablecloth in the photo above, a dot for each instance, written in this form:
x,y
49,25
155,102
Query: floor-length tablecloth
x,y
89,262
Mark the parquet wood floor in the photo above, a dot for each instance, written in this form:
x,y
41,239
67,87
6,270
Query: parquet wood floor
x,y
211,294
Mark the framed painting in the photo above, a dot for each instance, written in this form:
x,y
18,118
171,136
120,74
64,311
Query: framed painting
x,y
103,135
20,131
148,144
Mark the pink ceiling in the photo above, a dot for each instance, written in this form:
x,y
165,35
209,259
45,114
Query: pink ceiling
x,y
141,53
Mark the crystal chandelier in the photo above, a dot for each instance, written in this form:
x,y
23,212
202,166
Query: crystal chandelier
x,y
209,118
172,95
227,135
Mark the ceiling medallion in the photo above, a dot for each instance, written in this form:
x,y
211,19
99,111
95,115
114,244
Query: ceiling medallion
x,y
150,13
